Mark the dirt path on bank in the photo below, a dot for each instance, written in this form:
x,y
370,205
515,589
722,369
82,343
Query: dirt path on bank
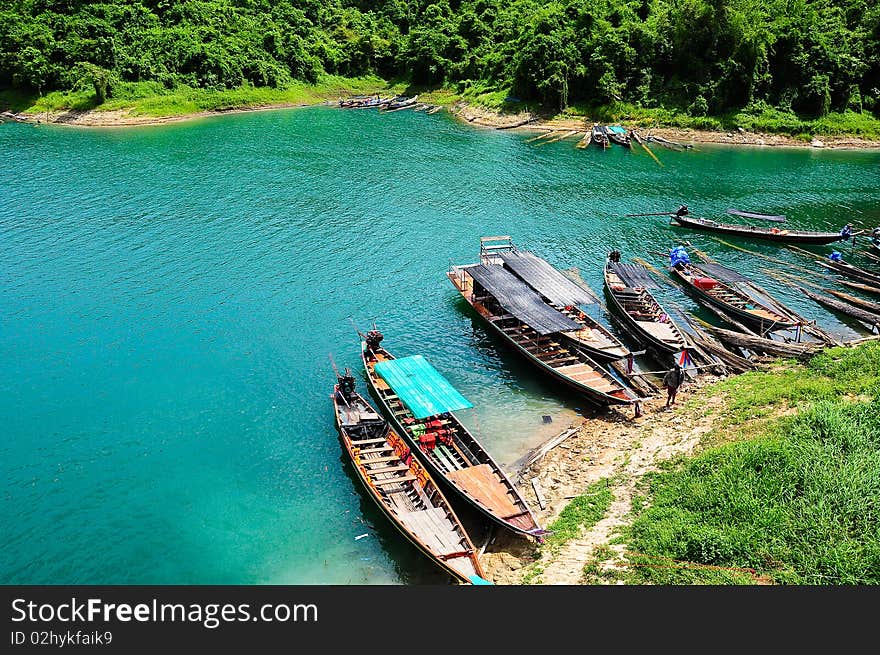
x,y
611,446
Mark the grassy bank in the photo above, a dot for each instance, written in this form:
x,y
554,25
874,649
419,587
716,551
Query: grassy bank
x,y
788,491
579,515
151,99
767,120
756,118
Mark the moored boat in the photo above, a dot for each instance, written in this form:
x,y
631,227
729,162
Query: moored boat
x,y
618,135
850,271
599,136
649,323
681,218
557,291
735,303
400,486
522,319
401,102
419,403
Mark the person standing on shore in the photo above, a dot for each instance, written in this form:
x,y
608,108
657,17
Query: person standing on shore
x,y
672,381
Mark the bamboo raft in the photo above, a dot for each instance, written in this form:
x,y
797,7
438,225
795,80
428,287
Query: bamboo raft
x,y
401,487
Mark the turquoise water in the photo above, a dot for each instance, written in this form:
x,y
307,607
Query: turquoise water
x,y
170,296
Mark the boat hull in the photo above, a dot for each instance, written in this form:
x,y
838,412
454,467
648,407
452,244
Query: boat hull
x,y
761,324
439,473
659,346
597,397
395,521
817,238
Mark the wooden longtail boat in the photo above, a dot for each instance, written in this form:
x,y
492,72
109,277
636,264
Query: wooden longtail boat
x,y
756,232
401,102
850,271
646,319
599,136
558,292
732,301
440,439
618,135
401,487
539,343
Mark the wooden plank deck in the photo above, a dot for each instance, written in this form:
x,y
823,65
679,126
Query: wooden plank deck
x,y
434,529
481,483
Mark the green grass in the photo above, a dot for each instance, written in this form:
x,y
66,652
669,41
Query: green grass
x,y
763,119
798,502
151,99
581,513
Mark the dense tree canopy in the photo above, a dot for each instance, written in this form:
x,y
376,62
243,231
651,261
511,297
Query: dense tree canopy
x,y
809,56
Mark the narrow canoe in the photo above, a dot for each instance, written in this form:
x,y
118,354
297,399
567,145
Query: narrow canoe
x,y
753,231
456,456
567,364
732,301
850,271
645,317
400,486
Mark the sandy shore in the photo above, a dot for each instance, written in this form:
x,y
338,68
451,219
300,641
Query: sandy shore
x,y
124,117
525,121
473,115
613,446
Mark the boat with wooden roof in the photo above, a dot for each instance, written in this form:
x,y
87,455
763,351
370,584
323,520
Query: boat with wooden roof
x,y
681,218
401,487
532,327
628,288
732,301
419,403
560,293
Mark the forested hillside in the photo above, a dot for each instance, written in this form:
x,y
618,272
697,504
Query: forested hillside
x,y
704,56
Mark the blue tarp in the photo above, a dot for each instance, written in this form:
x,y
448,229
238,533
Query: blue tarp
x,y
420,386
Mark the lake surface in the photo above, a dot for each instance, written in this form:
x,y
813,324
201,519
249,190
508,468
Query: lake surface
x,y
170,297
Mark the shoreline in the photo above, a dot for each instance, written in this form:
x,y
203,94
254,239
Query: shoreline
x,y
467,113
610,446
526,121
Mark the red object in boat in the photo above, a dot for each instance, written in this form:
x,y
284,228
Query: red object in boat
x,y
705,283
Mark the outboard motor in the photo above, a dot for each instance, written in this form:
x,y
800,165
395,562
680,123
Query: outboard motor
x,y
373,339
346,384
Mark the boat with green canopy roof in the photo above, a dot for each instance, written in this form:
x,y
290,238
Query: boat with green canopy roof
x,y
419,402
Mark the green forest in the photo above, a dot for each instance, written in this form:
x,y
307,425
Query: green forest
x,y
703,57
